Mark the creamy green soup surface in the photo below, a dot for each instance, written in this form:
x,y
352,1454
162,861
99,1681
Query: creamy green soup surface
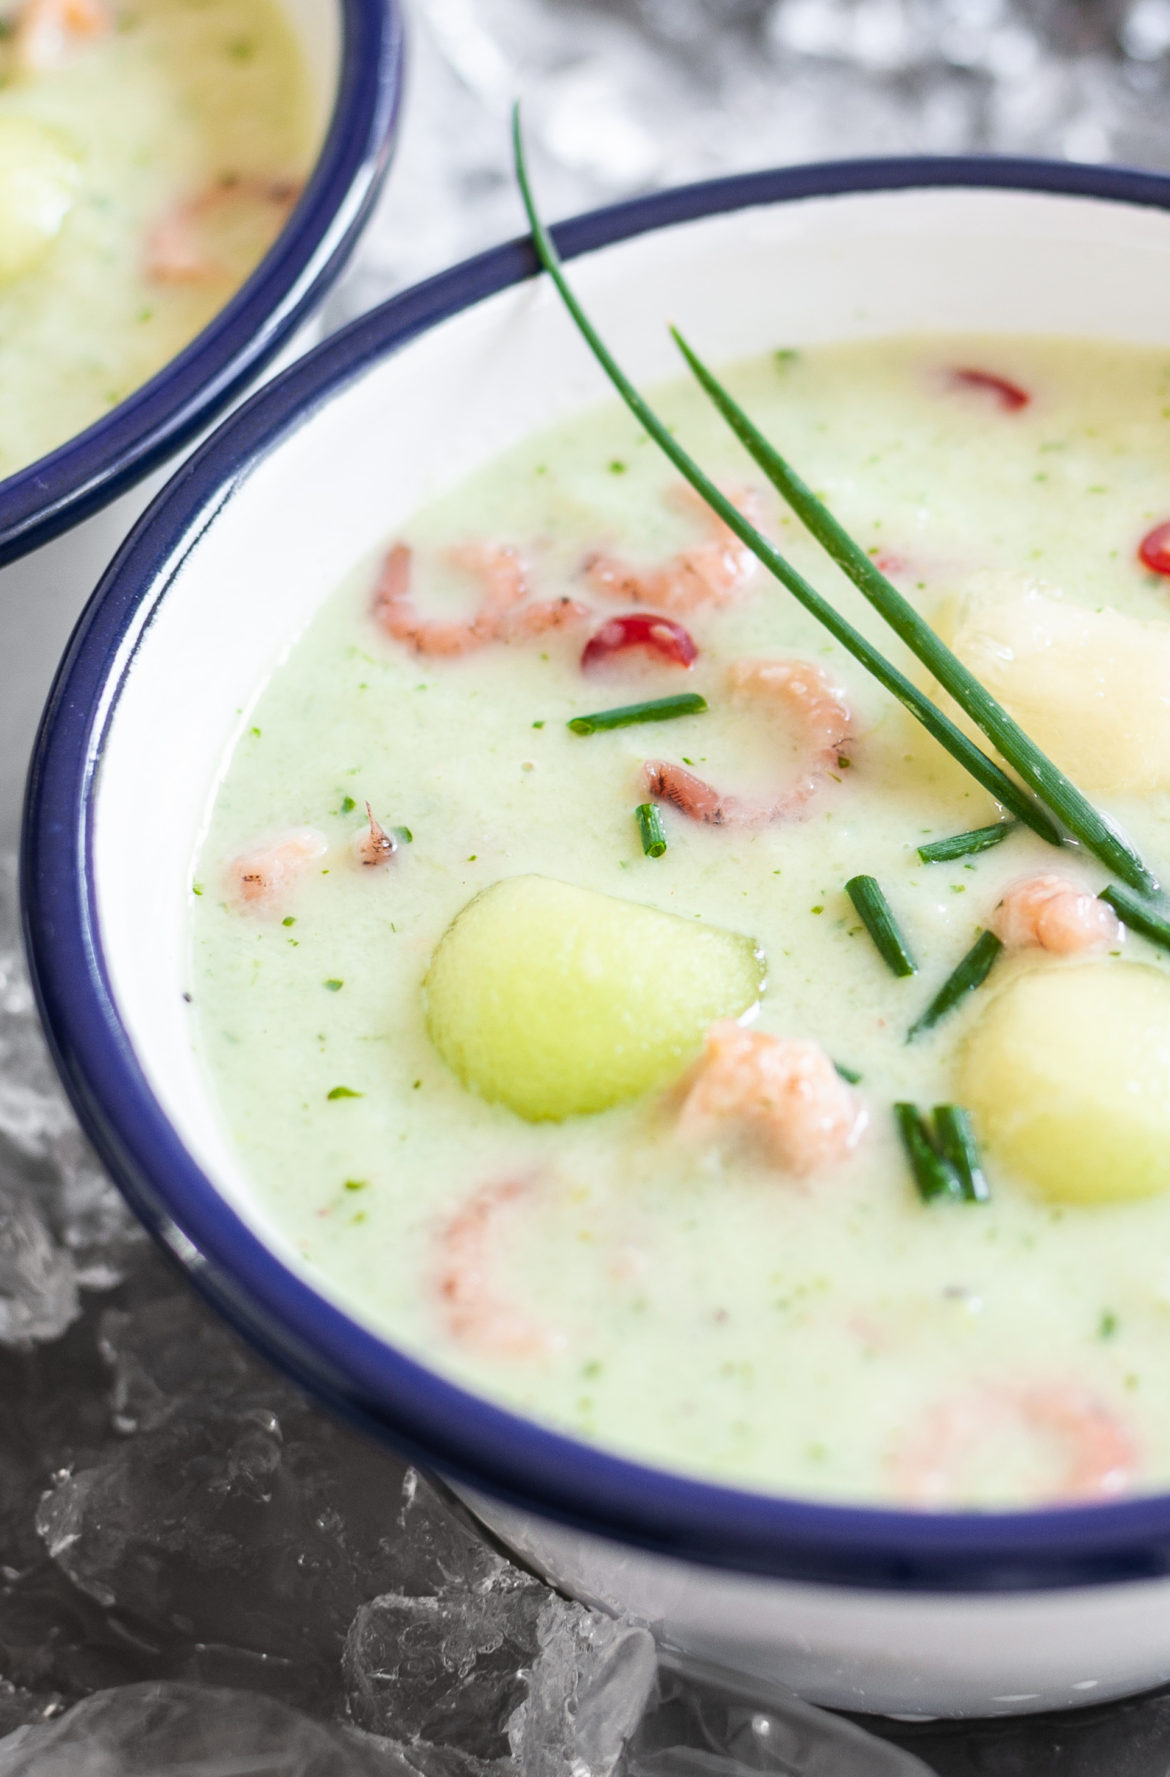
x,y
150,150
726,1266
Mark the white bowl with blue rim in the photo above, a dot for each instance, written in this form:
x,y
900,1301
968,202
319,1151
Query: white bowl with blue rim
x,y
62,516
870,1609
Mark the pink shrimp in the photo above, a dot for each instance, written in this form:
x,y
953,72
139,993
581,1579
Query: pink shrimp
x,y
476,1313
1094,1451
193,242
1056,913
373,845
48,30
709,573
260,878
783,1092
826,719
504,616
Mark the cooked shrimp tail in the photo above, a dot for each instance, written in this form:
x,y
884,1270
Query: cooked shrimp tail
x,y
477,1312
783,1093
374,846
711,572
818,705
1057,914
263,877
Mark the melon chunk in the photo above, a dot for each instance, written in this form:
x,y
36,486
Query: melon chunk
x,y
38,185
557,1000
1090,687
1068,1076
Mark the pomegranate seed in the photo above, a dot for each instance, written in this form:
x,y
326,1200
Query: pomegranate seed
x,y
640,629
1009,395
1154,549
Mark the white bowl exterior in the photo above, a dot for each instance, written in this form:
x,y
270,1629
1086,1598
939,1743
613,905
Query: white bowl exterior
x,y
879,1652
816,270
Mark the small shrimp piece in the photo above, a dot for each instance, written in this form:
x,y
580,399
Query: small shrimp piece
x,y
540,619
502,617
709,573
477,1314
825,718
262,876
48,30
1007,395
1094,1452
782,1091
374,846
1057,914
201,239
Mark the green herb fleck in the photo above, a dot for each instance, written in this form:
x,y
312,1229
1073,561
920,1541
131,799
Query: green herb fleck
x,y
343,1091
348,805
1107,1325
334,985
356,1184
288,920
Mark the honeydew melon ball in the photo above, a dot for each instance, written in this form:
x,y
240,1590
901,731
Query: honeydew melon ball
x,y
1068,1077
38,185
556,1000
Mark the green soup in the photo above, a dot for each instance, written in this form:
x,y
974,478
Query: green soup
x,y
676,1275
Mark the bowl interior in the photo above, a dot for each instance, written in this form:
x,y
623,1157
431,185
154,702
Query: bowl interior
x,y
317,471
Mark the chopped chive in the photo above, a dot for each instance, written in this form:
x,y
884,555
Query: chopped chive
x,y
877,916
1056,791
659,709
959,745
956,1143
334,985
650,827
963,845
849,1074
403,835
970,974
288,920
934,1176
348,805
343,1091
1145,916
356,1184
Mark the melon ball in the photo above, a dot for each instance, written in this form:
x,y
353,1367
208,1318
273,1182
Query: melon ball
x,y
1068,1076
556,1000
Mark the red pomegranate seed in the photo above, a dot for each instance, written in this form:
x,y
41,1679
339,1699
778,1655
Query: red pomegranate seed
x,y
640,629
1009,395
1154,549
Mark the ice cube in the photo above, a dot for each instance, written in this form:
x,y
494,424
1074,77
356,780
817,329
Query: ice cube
x,y
586,1692
181,1730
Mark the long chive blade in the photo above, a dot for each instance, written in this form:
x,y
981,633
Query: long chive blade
x,y
971,973
934,1176
650,828
1055,790
877,916
659,709
985,771
955,1140
965,845
1150,919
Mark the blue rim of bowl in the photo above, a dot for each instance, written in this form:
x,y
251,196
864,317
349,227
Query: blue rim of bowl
x,y
357,1373
55,492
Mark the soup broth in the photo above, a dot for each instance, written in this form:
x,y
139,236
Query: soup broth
x,y
702,1271
149,154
